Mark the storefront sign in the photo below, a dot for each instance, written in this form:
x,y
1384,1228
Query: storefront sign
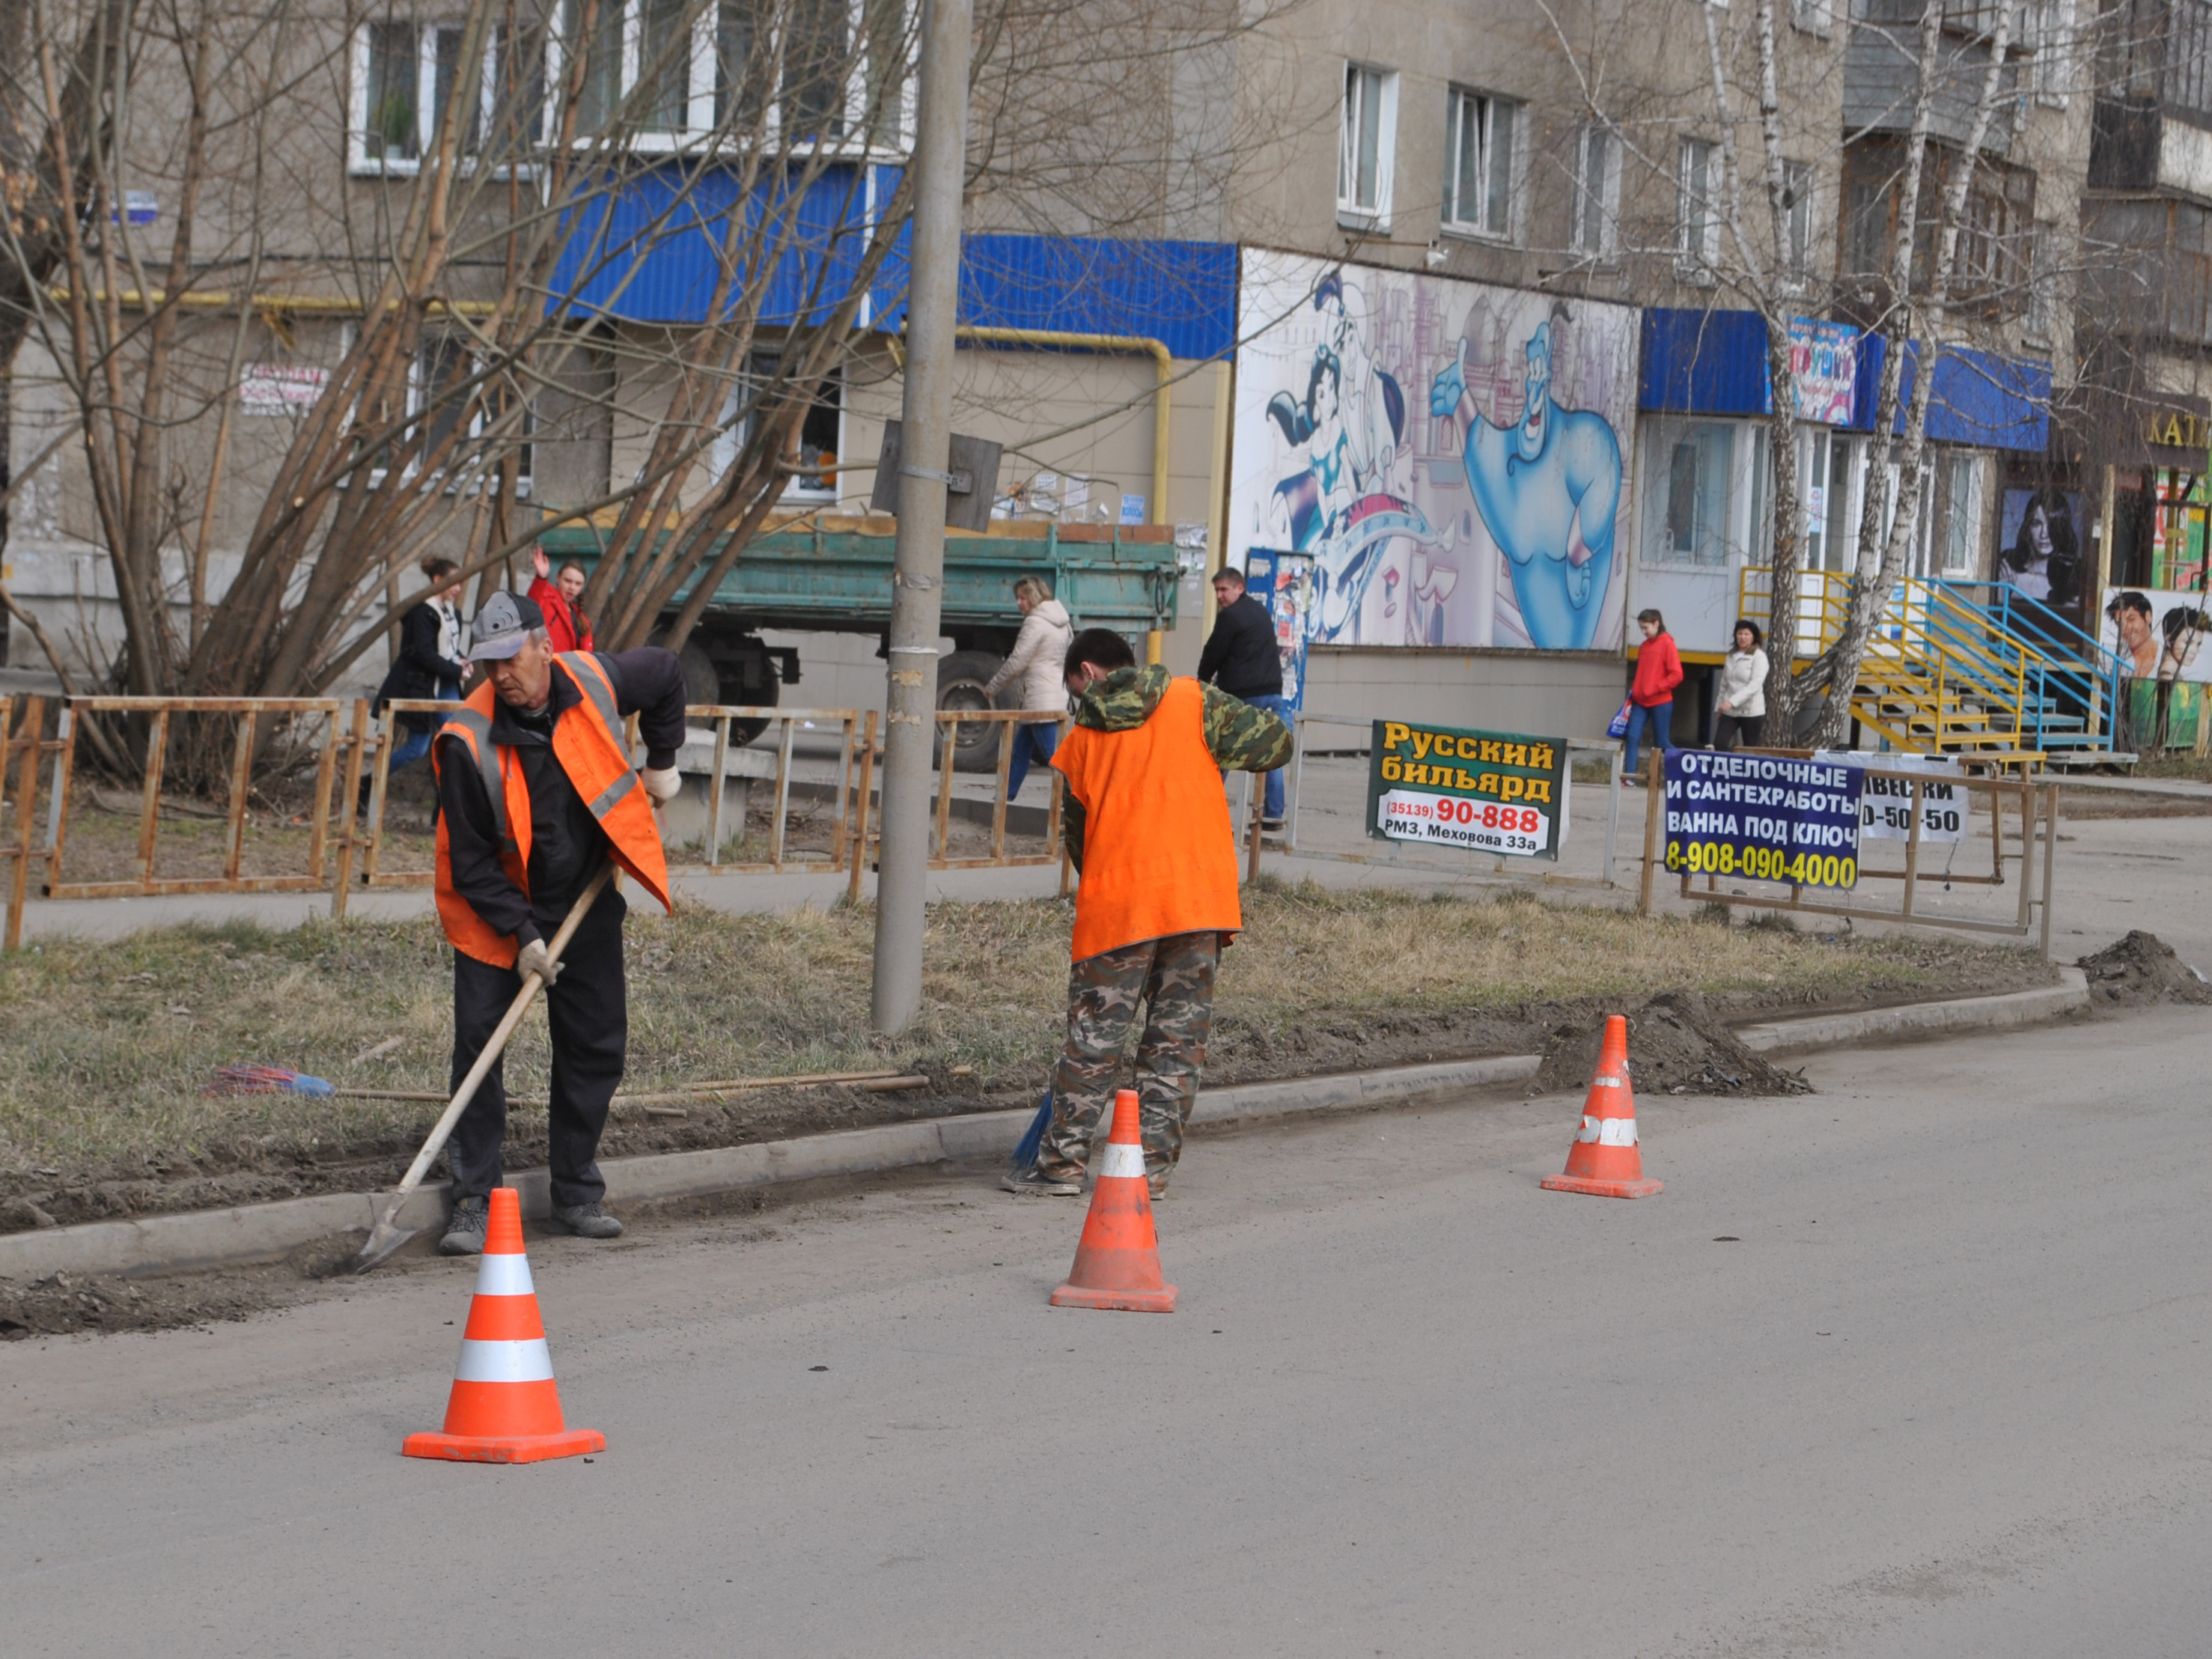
x,y
1763,819
1823,362
280,388
1487,790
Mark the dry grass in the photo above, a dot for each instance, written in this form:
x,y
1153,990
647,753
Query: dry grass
x,y
105,1048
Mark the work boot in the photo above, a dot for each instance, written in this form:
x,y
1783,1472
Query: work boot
x,y
587,1220
464,1228
1036,1182
1157,1182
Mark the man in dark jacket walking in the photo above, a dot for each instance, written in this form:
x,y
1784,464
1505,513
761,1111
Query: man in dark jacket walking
x,y
1241,658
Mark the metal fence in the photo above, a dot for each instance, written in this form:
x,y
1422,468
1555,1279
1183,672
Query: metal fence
x,y
2038,810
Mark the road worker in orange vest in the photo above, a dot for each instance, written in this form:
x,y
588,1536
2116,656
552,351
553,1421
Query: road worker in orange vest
x,y
1146,822
535,787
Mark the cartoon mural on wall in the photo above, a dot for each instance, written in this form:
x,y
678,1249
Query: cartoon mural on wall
x,y
1449,454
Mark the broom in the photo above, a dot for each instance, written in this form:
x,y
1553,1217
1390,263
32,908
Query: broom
x,y
1025,1150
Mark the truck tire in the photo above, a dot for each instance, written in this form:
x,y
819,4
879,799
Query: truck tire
x,y
961,678
702,687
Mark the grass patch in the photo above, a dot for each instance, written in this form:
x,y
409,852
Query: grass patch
x,y
105,1048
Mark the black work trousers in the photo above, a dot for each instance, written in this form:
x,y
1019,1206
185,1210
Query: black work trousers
x,y
588,1016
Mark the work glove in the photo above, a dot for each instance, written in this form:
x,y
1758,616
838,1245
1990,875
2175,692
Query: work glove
x,y
535,958
663,783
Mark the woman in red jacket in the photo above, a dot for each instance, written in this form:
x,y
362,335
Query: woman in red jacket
x,y
1652,697
569,628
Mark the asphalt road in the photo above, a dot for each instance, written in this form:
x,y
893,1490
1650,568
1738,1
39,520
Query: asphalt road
x,y
1941,1393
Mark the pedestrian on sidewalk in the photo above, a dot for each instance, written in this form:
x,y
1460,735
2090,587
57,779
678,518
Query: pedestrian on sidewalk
x,y
1740,706
536,789
1652,694
566,624
1242,657
1146,822
1035,669
429,664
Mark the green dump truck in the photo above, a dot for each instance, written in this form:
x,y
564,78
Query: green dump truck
x,y
834,575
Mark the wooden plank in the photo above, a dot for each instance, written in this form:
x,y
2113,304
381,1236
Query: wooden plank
x,y
27,788
241,782
860,828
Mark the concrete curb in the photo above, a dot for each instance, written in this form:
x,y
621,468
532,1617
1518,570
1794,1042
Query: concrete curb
x,y
262,1232
1791,1037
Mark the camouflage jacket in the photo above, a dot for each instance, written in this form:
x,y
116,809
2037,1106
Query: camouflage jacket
x,y
1240,738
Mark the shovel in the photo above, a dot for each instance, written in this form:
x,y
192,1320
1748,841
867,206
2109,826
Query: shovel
x,y
385,1237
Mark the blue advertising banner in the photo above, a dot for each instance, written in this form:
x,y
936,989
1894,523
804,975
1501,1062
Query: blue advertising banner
x,y
1762,817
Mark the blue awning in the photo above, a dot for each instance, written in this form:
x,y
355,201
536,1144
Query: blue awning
x,y
1703,362
1991,402
651,253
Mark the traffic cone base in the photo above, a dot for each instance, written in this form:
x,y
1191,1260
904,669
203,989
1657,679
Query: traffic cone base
x,y
505,1406
1605,1160
1117,1264
1567,1183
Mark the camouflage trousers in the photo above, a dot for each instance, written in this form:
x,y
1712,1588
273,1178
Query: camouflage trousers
x,y
1174,977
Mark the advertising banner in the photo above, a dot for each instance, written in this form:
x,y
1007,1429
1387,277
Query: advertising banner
x,y
1450,455
1282,582
1488,790
2158,633
1765,818
1886,804
1824,368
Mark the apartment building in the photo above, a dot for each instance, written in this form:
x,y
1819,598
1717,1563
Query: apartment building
x,y
1370,258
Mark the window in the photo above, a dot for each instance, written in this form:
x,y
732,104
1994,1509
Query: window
x,y
820,431
1697,218
2050,27
816,65
404,76
2041,324
1478,161
1960,480
1797,226
1369,135
437,383
1697,461
1827,476
1814,16
1597,194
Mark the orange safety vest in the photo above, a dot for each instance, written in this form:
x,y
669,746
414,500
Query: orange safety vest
x,y
1158,855
589,742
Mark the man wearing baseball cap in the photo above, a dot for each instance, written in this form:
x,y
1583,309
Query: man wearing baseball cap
x,y
535,787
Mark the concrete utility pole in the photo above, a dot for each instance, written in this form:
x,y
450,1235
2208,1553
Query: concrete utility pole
x,y
940,158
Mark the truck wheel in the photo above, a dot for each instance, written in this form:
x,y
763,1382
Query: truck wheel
x,y
961,678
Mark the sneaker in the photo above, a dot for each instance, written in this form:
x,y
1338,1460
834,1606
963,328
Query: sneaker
x,y
1035,1181
1271,826
587,1220
464,1228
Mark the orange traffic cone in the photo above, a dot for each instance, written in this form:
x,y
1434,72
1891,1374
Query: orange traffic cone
x,y
505,1406
1117,1264
1604,1161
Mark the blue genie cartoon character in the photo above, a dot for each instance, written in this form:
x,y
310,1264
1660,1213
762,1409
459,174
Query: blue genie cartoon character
x,y
1548,490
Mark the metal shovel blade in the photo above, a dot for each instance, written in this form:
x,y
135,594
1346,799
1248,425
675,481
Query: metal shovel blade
x,y
384,1239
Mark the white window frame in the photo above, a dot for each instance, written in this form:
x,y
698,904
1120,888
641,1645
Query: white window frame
x,y
1383,90
2040,322
1668,435
1606,245
1962,516
2053,37
1801,223
358,160
1697,264
722,451
698,125
1814,17
1461,102
417,402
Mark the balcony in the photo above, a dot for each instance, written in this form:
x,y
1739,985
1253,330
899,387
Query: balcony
x,y
2149,275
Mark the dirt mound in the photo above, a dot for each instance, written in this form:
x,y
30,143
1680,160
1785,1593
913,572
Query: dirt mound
x,y
61,1304
1676,1046
2142,968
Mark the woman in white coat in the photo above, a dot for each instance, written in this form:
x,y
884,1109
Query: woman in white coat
x,y
1037,667
1740,706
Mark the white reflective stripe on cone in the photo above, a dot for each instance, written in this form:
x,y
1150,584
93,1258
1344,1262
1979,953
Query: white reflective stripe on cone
x,y
1605,1083
1122,1160
505,1275
1608,1131
505,1362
